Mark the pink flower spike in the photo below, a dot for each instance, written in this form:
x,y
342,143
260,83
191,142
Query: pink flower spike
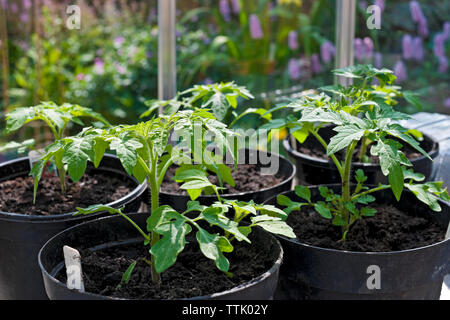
x,y
293,40
400,71
443,64
407,47
315,63
255,27
294,69
224,8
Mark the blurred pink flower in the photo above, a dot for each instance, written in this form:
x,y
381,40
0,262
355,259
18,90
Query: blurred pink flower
x,y
4,4
439,43
294,69
443,64
236,7
255,27
24,17
14,8
293,40
327,51
378,60
447,103
26,4
119,41
407,47
99,66
416,11
418,51
446,30
224,8
359,49
380,3
79,77
368,47
400,71
315,63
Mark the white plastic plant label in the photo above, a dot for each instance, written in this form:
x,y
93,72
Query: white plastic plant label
x,y
72,260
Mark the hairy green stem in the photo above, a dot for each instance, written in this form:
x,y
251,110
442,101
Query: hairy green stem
x,y
155,205
382,187
325,145
346,196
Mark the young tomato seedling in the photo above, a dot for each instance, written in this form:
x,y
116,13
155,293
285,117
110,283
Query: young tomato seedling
x,y
57,119
221,98
359,116
145,153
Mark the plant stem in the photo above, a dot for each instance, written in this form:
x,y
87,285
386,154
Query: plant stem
x,y
363,150
346,198
155,205
62,179
356,196
325,145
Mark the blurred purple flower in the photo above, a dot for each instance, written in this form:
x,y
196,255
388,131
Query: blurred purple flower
x,y
446,30
400,71
315,63
293,40
26,4
447,103
14,8
378,60
418,17
24,17
359,49
255,27
443,64
380,3
208,81
120,68
4,4
327,51
407,47
148,54
79,77
294,69
99,66
363,5
439,42
416,11
224,8
235,6
119,41
418,51
368,47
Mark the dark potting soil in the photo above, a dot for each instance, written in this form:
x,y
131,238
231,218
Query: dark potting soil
x,y
247,177
389,230
191,276
313,148
16,196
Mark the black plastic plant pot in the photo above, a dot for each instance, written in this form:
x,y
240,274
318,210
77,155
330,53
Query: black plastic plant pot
x,y
22,236
314,170
311,272
246,156
108,232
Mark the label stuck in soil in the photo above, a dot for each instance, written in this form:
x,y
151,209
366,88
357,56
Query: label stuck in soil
x,y
72,259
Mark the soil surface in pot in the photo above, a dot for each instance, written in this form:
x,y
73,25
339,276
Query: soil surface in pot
x,y
313,148
192,275
16,196
389,230
247,177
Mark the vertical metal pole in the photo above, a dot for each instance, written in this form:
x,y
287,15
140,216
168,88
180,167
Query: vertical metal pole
x,y
167,77
345,34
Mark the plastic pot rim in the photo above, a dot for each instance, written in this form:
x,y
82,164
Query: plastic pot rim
x,y
276,265
358,253
137,191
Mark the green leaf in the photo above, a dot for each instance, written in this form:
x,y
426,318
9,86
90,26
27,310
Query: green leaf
x,y
303,192
387,151
396,180
213,246
127,274
360,176
273,225
214,217
346,135
421,191
368,212
196,184
166,250
323,210
126,149
17,118
76,154
365,199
